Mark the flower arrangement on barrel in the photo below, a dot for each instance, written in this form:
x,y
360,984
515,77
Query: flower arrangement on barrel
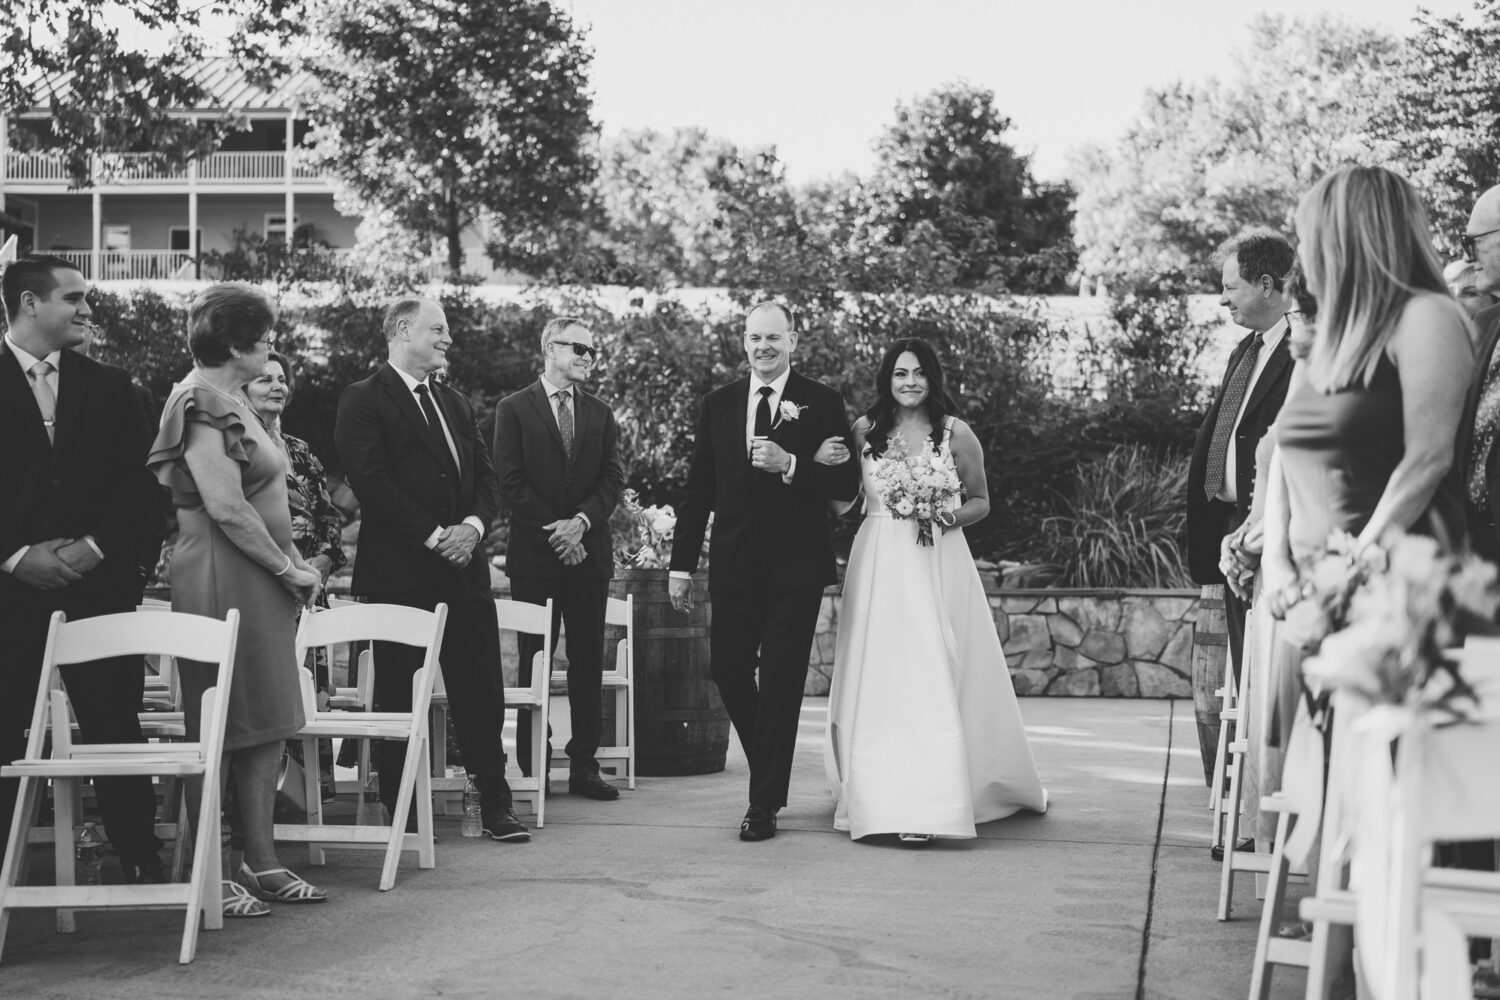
x,y
1381,621
643,535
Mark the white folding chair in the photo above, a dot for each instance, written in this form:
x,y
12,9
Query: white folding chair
x,y
190,637
534,619
380,623
620,680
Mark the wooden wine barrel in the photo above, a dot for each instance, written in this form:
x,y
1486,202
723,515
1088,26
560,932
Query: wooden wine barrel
x,y
1210,656
681,726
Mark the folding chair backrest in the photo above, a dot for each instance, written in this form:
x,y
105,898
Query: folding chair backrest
x,y
535,619
379,623
136,633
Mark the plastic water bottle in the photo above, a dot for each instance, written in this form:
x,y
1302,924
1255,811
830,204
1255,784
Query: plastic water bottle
x,y
89,856
472,826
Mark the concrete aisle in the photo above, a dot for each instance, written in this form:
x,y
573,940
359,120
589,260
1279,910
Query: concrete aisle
x,y
653,896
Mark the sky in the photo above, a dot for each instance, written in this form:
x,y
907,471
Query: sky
x,y
820,79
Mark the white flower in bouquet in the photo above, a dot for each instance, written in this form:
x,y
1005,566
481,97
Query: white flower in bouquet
x,y
665,521
905,508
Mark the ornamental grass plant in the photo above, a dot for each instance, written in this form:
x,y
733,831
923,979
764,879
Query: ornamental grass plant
x,y
1124,523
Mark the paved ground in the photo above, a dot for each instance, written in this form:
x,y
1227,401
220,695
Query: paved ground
x,y
1111,895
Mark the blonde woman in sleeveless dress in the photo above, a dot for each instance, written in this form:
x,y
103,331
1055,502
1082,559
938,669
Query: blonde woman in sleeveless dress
x,y
925,737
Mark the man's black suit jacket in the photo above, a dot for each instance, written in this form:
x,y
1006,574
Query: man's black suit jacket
x,y
396,465
1482,529
92,480
765,531
539,485
1208,523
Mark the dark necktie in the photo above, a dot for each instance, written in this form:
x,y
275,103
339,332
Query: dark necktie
x,y
763,413
1229,414
429,410
565,421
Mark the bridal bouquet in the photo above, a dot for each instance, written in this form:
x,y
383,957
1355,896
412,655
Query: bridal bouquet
x,y
653,530
1413,604
916,487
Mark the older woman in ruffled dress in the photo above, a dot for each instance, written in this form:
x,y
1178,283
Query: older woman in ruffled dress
x,y
234,550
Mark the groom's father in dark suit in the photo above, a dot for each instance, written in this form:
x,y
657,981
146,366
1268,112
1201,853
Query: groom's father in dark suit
x,y
80,524
772,549
1221,476
414,457
560,478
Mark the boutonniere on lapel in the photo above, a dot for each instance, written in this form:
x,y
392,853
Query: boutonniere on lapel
x,y
789,411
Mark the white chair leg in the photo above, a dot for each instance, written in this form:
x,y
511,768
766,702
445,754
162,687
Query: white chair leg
x,y
426,854
1231,837
13,867
1270,914
313,791
64,800
1216,791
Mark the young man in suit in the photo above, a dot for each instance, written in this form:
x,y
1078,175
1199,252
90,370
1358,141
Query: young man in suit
x,y
561,478
80,524
772,548
414,457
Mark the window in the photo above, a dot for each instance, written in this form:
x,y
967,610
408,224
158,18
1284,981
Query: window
x,y
177,239
276,226
116,238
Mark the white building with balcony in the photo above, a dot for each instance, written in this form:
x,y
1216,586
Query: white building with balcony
x,y
135,221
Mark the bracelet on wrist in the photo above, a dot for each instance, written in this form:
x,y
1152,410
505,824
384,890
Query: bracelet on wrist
x,y
283,571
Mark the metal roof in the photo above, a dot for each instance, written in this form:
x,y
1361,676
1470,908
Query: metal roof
x,y
228,86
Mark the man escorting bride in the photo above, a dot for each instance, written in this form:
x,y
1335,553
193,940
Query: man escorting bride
x,y
925,737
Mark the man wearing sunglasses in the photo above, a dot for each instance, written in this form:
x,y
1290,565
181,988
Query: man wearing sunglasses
x,y
1481,421
560,477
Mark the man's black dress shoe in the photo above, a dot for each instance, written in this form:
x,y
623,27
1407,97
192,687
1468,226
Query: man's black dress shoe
x,y
503,825
591,786
759,824
1217,851
150,872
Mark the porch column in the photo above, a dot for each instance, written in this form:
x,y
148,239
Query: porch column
x,y
287,174
193,247
4,156
96,259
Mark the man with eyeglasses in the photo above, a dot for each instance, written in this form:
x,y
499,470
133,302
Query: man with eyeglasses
x,y
560,476
1477,431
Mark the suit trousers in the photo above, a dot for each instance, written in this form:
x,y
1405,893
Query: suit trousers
x,y
1234,608
577,603
106,698
769,630
470,660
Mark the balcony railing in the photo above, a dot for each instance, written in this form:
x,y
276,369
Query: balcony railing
x,y
131,265
138,168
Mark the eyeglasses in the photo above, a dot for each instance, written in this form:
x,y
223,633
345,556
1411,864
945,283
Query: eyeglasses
x,y
269,342
579,350
1467,242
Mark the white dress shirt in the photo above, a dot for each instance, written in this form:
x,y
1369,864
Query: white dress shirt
x,y
1269,340
27,362
411,384
572,404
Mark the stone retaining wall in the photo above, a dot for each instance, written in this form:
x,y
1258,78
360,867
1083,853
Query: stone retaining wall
x,y
1118,644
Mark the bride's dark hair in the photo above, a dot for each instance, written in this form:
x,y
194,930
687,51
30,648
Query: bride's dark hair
x,y
882,414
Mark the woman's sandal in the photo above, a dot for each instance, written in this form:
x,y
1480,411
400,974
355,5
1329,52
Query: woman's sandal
x,y
916,839
239,903
297,890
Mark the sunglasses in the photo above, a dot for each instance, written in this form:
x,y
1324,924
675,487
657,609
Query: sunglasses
x,y
1467,242
579,350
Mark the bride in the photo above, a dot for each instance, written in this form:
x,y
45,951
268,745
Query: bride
x,y
924,736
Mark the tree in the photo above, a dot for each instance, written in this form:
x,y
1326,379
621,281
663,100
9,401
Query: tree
x,y
449,113
1203,162
107,96
1444,114
945,169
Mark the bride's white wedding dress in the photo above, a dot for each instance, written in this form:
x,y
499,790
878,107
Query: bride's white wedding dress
x,y
924,732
